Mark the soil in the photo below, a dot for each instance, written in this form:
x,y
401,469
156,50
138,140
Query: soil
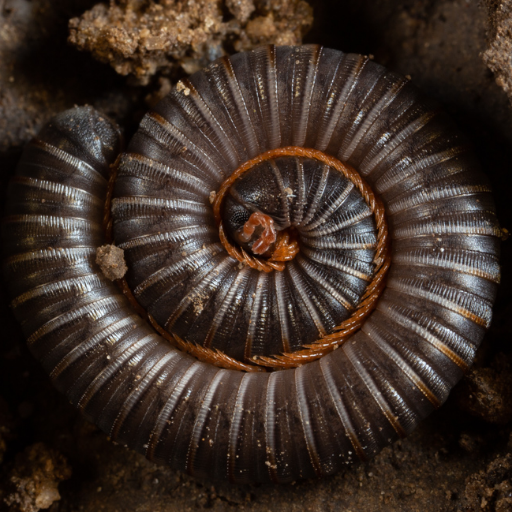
x,y
460,458
111,261
145,38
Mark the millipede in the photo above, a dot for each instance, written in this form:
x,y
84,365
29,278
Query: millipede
x,y
312,253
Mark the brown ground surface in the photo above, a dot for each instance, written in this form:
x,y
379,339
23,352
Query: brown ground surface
x,y
460,459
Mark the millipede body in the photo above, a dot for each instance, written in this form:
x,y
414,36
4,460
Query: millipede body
x,y
312,232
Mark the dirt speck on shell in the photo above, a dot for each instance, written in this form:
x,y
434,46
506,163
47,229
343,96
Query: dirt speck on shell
x,y
111,261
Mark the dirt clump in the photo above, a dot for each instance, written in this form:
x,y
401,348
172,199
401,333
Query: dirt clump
x,y
33,482
145,37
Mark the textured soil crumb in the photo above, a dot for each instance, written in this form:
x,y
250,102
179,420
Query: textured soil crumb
x,y
35,478
111,261
497,56
490,490
144,37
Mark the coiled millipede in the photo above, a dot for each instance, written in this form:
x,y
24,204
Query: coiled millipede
x,y
259,206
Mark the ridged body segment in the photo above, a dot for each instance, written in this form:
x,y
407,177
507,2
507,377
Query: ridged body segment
x,y
225,424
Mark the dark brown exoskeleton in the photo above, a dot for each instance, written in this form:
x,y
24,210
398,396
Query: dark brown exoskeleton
x,y
324,169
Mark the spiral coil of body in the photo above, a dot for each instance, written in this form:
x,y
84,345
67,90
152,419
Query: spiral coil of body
x,y
226,424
